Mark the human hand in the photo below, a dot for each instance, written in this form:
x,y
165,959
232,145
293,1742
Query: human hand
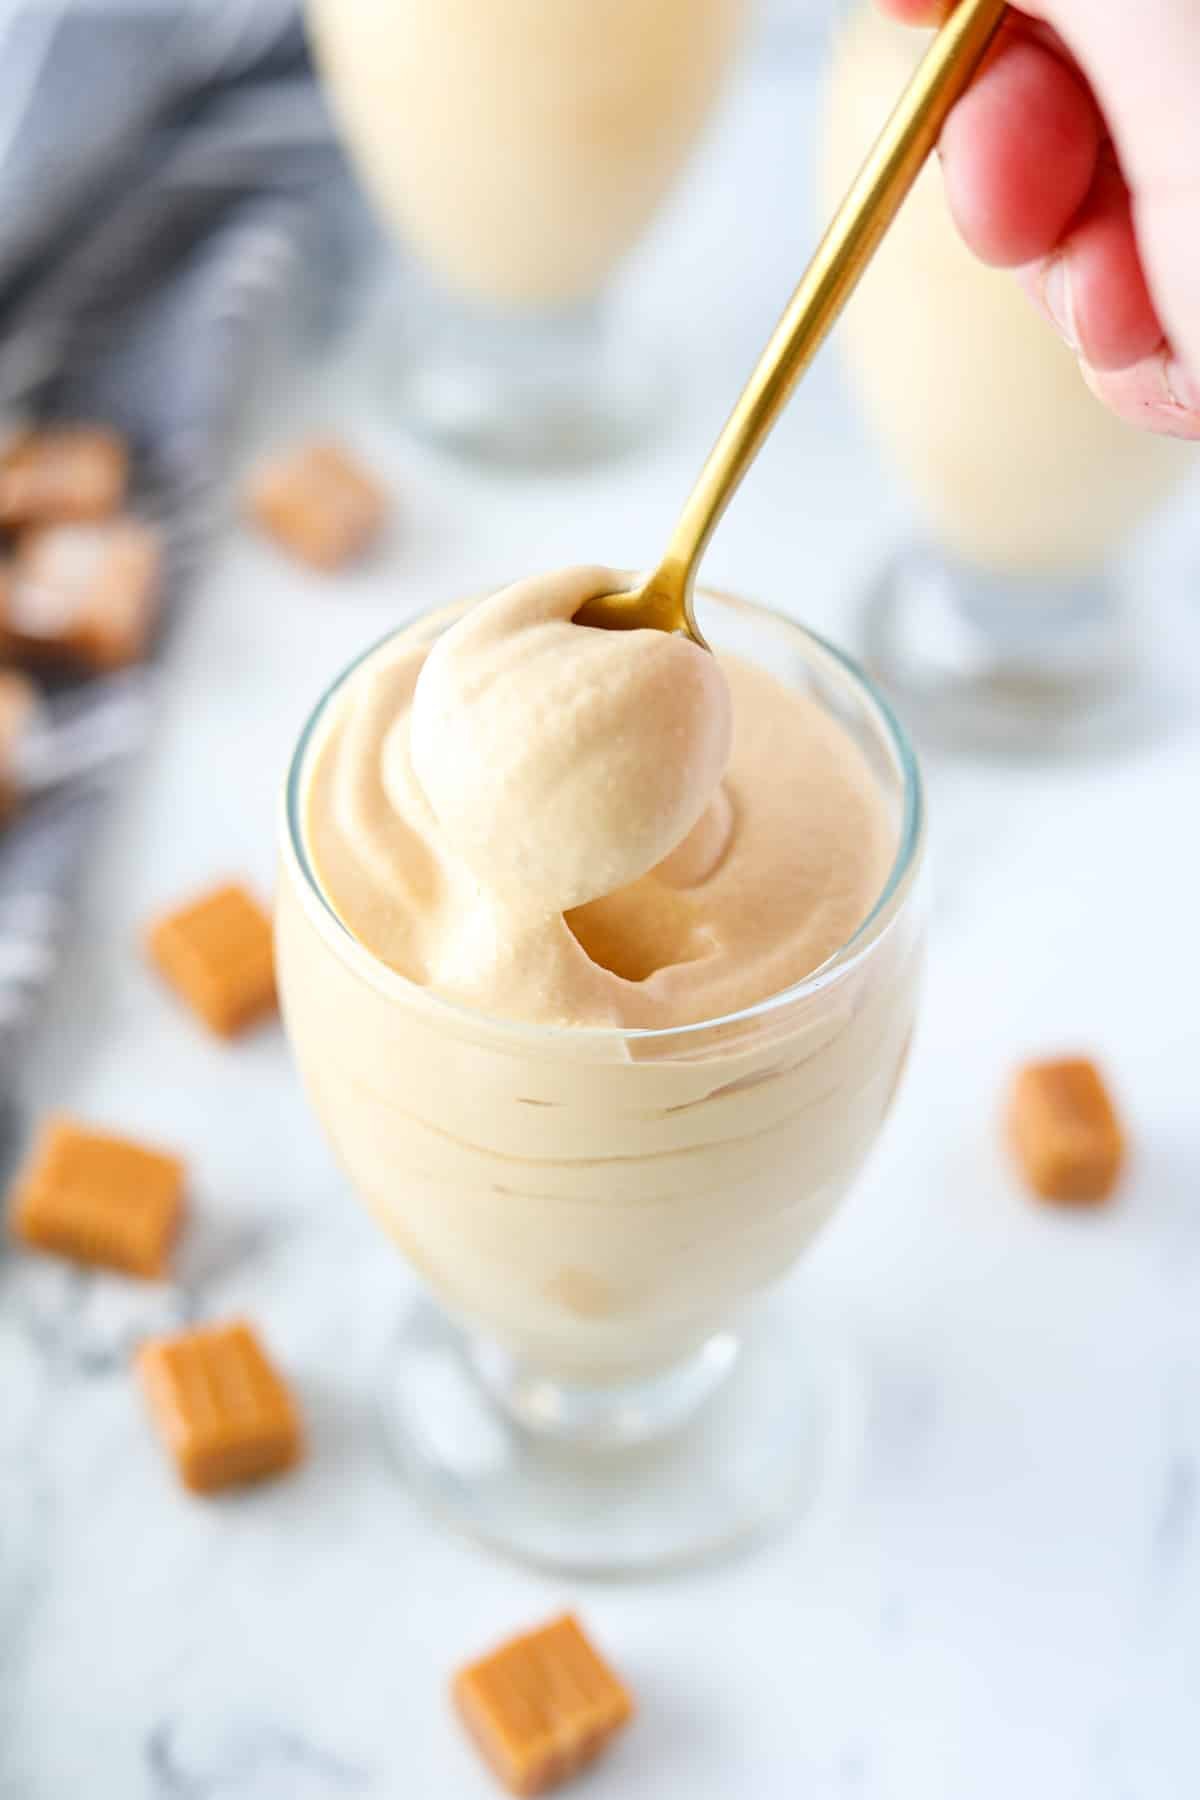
x,y
1075,159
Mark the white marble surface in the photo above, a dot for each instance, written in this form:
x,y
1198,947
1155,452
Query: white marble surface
x,y
1008,1599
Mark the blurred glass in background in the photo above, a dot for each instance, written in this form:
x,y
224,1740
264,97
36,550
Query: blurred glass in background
x,y
521,149
1003,625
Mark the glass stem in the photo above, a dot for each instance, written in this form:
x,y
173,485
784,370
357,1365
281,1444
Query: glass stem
x,y
603,1418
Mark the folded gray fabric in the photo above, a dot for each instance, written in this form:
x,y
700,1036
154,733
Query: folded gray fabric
x,y
167,171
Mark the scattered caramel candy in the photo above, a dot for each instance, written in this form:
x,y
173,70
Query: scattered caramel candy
x,y
85,594
19,708
224,1411
55,473
218,953
318,503
1065,1131
99,1199
541,1706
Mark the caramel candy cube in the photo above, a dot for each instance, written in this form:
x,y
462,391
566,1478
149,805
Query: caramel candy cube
x,y
318,503
19,708
99,1199
56,473
541,1706
220,1405
218,954
1065,1131
85,594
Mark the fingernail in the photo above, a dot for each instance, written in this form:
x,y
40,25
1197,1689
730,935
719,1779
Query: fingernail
x,y
1183,390
1056,294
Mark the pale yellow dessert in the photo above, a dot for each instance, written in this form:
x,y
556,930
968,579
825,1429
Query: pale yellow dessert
x,y
521,147
526,843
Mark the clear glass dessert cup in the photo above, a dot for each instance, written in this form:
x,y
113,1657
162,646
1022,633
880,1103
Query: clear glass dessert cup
x,y
605,1379
1010,623
519,152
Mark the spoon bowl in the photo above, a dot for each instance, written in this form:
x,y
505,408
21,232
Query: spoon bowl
x,y
660,602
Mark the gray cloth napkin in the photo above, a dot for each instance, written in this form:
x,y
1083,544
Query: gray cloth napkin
x,y
167,173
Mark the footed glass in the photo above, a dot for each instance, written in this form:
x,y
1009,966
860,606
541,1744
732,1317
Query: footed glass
x,y
1007,622
519,151
607,1375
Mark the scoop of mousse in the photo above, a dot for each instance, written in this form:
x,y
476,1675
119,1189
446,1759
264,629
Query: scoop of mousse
x,y
562,762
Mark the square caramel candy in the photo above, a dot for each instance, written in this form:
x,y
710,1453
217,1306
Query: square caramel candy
x,y
318,503
85,594
221,1407
99,1199
19,710
541,1706
55,473
218,953
1065,1131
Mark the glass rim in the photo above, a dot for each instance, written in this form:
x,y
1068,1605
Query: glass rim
x,y
835,966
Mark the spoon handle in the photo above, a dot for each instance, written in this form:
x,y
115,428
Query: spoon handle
x,y
841,257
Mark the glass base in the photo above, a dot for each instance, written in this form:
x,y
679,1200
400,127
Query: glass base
x,y
636,1480
551,389
983,663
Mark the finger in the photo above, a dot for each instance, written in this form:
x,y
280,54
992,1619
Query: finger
x,y
1019,153
1092,288
1157,394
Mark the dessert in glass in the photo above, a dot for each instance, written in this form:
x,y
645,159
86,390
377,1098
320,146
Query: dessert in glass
x,y
520,150
598,955
1005,625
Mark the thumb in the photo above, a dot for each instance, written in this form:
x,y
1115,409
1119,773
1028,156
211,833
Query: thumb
x,y
1159,393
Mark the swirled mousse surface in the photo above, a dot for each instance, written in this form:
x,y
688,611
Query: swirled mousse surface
x,y
556,824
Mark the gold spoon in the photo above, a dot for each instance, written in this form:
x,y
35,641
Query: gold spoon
x,y
664,599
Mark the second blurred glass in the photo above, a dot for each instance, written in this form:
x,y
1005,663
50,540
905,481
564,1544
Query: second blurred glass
x,y
1003,625
521,149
